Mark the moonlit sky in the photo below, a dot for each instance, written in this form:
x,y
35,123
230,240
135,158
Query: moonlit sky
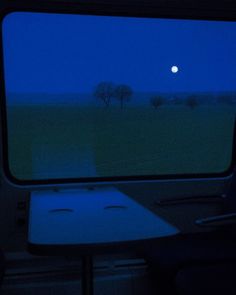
x,y
67,53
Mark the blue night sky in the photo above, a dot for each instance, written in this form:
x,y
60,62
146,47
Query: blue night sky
x,y
68,53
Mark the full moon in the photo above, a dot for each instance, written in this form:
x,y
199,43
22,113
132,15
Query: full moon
x,y
174,69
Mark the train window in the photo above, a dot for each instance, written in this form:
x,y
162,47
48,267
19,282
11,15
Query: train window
x,y
92,97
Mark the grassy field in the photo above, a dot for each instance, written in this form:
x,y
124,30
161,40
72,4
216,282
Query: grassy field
x,y
71,141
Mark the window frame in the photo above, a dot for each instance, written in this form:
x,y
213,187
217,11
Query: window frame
x,y
103,9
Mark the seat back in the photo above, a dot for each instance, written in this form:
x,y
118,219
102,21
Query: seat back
x,y
205,279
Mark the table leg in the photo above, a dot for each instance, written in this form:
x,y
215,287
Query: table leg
x,y
87,275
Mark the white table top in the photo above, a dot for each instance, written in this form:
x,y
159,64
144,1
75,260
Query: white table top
x,y
85,217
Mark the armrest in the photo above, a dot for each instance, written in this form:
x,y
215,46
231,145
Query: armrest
x,y
218,220
186,200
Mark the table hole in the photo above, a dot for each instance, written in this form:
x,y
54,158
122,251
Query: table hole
x,y
64,210
115,207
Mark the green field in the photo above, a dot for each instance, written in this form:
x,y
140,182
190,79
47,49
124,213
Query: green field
x,y
74,141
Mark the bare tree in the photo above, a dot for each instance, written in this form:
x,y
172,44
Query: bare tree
x,y
105,91
123,93
192,102
157,101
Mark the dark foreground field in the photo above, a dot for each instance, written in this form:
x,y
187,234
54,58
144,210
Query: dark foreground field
x,y
74,141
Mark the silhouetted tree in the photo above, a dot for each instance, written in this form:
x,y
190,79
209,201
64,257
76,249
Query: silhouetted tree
x,y
105,91
157,101
192,102
123,93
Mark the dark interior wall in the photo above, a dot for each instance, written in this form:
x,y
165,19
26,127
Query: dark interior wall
x,y
13,217
196,6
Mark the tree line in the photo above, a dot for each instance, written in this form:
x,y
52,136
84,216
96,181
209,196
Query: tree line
x,y
107,91
157,101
